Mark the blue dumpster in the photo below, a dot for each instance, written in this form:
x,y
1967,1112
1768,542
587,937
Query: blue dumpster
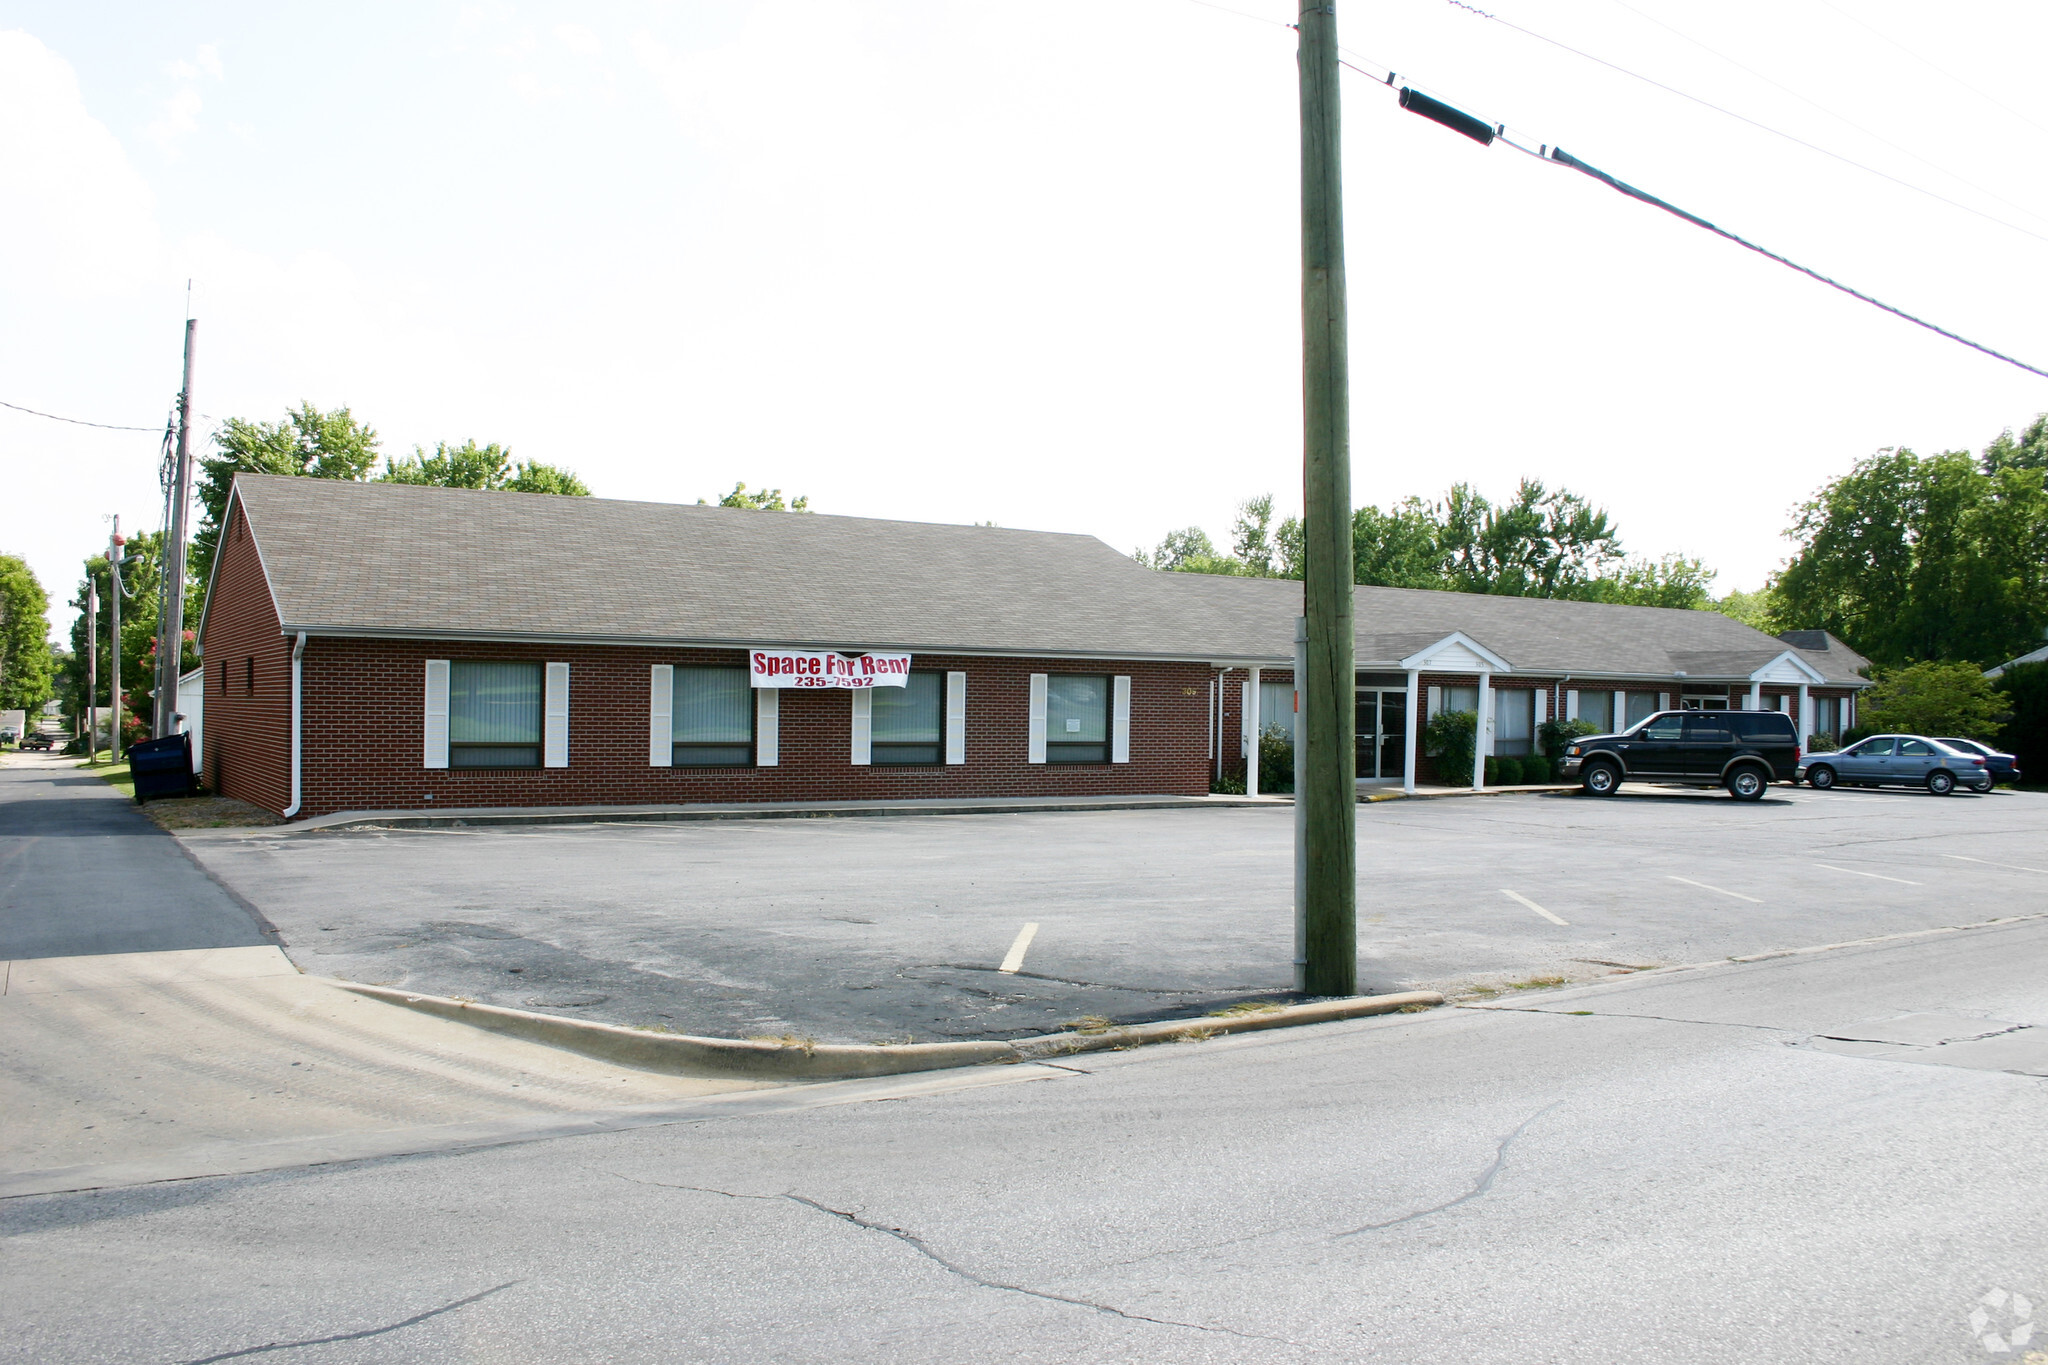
x,y
161,767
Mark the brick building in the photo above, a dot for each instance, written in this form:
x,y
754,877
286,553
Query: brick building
x,y
383,646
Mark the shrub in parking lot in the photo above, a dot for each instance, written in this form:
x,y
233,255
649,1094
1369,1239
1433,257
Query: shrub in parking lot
x,y
1557,735
1930,698
1451,736
1509,773
1535,769
1821,744
1276,760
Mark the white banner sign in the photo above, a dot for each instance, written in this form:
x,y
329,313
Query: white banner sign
x,y
823,668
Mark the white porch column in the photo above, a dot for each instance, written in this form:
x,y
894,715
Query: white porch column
x,y
1251,725
1408,747
1482,732
1756,697
1805,716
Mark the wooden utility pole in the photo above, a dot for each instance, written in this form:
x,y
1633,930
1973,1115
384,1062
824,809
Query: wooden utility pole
x,y
114,546
170,630
92,670
1327,784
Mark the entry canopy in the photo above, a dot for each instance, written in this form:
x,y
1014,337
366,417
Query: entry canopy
x,y
826,668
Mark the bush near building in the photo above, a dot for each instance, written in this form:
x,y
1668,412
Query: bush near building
x,y
2023,691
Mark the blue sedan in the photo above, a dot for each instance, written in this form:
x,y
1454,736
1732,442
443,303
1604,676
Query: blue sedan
x,y
2003,767
1899,761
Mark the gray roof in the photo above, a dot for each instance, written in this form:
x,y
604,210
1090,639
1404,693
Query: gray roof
x,y
2036,657
421,563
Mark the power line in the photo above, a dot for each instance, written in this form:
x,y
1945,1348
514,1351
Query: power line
x,y
103,426
1486,134
1744,118
1833,114
1937,70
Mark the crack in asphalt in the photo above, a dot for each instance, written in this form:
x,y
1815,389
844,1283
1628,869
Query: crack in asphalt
x,y
412,1321
1615,1014
1479,1186
922,1248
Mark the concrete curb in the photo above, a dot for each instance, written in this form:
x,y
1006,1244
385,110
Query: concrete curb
x,y
681,1054
1195,1030
762,810
684,1055
1470,791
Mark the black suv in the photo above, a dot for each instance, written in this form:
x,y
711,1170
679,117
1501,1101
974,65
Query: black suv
x,y
1744,751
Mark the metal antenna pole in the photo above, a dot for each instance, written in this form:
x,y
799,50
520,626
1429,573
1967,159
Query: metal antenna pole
x,y
170,633
1327,785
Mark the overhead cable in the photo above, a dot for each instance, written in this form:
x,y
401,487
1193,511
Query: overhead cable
x,y
1486,134
74,421
1744,118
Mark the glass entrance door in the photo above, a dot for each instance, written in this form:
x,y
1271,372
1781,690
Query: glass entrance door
x,y
1382,720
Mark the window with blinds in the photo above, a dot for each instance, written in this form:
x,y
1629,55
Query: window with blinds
x,y
494,714
1076,719
713,719
908,723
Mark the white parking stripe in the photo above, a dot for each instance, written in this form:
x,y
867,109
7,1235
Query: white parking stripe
x,y
1518,896
1016,958
1717,890
1986,862
1878,875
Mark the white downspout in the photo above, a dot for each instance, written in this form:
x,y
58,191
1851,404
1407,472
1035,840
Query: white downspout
x,y
298,649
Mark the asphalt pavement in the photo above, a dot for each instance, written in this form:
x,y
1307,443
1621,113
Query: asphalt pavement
x,y
82,871
1670,1167
861,930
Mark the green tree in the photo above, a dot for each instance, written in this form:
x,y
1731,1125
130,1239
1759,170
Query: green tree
x,y
470,465
1933,698
1451,737
1402,547
2028,451
321,445
1912,558
766,500
141,607
1758,609
1189,550
25,663
2023,692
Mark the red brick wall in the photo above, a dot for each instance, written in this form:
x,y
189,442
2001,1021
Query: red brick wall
x,y
364,706
248,664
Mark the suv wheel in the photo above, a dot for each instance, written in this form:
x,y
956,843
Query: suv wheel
x,y
1746,783
1601,778
1820,777
1941,783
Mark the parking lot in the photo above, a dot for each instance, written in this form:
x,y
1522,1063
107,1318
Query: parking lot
x,y
868,929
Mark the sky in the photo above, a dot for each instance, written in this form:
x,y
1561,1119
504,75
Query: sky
x,y
1036,264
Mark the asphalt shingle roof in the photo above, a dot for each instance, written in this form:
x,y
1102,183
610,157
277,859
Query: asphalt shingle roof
x,y
416,562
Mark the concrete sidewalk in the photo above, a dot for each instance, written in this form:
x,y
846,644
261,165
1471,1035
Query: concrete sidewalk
x,y
131,1067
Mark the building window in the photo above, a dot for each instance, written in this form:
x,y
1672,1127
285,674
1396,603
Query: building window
x,y
249,675
1461,699
908,723
713,725
1597,710
1276,707
1076,719
1514,721
494,714
1641,706
1827,716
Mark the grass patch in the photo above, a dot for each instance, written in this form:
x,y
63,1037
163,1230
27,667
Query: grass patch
x,y
796,1040
1244,1007
1197,1035
1536,983
204,811
1415,1009
115,775
1090,1023
1578,1012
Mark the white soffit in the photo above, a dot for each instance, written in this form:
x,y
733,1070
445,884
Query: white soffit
x,y
1458,653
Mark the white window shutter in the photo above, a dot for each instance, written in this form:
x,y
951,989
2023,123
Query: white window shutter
x,y
767,727
1538,716
437,713
554,719
1120,720
1436,701
956,718
1037,720
1571,703
1618,717
661,710
863,727
1663,701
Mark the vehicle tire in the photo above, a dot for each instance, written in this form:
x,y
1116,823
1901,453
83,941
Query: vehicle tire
x,y
1747,783
1820,778
1600,779
1940,783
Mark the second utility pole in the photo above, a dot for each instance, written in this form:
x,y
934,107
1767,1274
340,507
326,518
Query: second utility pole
x,y
170,629
1327,785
